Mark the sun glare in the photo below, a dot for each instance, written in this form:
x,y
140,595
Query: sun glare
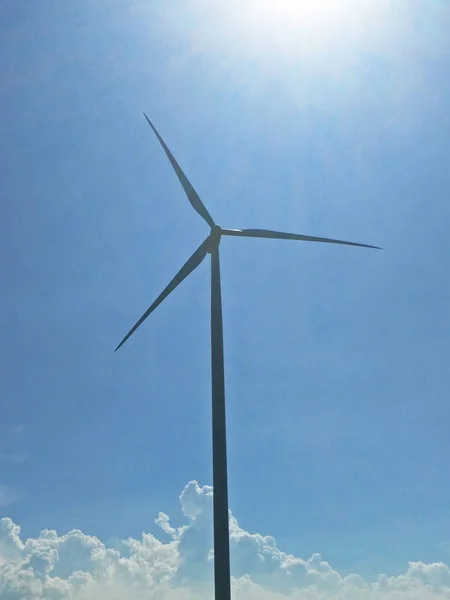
x,y
311,23
302,10
274,33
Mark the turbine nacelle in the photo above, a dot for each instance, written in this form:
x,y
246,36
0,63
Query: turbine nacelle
x,y
214,238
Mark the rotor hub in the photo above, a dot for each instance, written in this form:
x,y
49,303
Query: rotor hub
x,y
214,238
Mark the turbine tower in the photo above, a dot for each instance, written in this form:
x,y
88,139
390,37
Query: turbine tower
x,y
211,246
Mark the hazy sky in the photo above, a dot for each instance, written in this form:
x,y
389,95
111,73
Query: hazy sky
x,y
327,118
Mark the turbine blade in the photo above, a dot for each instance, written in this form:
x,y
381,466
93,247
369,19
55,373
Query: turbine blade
x,y
192,195
185,270
266,233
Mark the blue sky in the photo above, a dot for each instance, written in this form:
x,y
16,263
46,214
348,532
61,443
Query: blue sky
x,y
317,119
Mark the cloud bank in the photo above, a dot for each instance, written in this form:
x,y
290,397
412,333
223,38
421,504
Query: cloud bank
x,y
77,566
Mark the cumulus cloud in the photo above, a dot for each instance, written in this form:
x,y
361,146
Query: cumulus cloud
x,y
77,566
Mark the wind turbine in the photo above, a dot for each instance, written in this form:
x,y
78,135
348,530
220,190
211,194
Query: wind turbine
x,y
211,246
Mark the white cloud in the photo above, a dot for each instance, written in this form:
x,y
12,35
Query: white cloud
x,y
76,566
